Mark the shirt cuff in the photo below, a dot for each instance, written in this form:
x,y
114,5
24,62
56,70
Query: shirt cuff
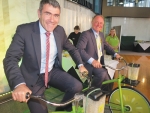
x,y
80,65
115,54
20,84
90,60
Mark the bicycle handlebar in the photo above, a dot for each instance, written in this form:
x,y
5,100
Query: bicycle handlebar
x,y
77,97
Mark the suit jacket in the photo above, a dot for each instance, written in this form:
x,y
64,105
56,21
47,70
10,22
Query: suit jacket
x,y
26,45
88,48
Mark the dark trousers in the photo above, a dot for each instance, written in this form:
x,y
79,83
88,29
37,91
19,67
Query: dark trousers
x,y
58,79
98,76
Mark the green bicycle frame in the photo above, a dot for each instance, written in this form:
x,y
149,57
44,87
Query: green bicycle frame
x,y
74,110
123,109
117,107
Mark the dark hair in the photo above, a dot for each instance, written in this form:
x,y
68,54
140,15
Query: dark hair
x,y
54,3
77,28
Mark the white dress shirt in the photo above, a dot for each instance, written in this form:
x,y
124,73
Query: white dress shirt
x,y
53,50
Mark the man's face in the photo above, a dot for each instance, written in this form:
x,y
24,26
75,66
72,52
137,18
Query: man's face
x,y
97,23
49,17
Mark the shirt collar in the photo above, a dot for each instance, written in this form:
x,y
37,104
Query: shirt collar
x,y
95,33
42,30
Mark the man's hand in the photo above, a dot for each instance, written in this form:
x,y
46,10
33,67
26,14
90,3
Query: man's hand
x,y
19,93
83,71
96,64
118,56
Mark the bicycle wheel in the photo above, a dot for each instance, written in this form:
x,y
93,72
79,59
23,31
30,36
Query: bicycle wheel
x,y
135,101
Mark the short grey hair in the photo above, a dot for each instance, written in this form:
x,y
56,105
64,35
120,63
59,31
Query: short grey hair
x,y
54,3
96,16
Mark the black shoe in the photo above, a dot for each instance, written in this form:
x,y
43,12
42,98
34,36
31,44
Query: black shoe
x,y
59,109
66,108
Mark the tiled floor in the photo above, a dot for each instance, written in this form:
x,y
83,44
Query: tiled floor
x,y
133,53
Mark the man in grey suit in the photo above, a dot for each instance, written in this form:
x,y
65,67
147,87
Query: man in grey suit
x,y
29,44
92,54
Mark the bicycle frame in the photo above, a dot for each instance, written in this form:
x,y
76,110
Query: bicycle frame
x,y
118,80
75,100
122,108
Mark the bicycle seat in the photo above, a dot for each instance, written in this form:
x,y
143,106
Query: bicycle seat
x,y
94,93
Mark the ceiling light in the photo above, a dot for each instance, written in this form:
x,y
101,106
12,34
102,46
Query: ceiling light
x,y
120,2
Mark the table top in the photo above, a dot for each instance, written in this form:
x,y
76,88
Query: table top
x,y
112,63
144,45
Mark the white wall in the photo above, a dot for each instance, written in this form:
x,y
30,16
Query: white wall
x,y
138,27
73,14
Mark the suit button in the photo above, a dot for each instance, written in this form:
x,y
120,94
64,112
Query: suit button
x,y
31,85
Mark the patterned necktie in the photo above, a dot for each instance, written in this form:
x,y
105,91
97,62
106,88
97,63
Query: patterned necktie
x,y
99,50
47,57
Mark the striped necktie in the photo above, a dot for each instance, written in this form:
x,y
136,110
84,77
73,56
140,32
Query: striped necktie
x,y
99,50
47,56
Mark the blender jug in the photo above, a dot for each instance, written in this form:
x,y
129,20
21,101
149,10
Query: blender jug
x,y
133,71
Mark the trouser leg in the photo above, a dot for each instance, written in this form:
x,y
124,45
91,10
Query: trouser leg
x,y
100,75
35,105
66,83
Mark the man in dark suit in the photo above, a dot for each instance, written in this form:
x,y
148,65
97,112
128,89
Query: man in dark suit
x,y
30,44
91,45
